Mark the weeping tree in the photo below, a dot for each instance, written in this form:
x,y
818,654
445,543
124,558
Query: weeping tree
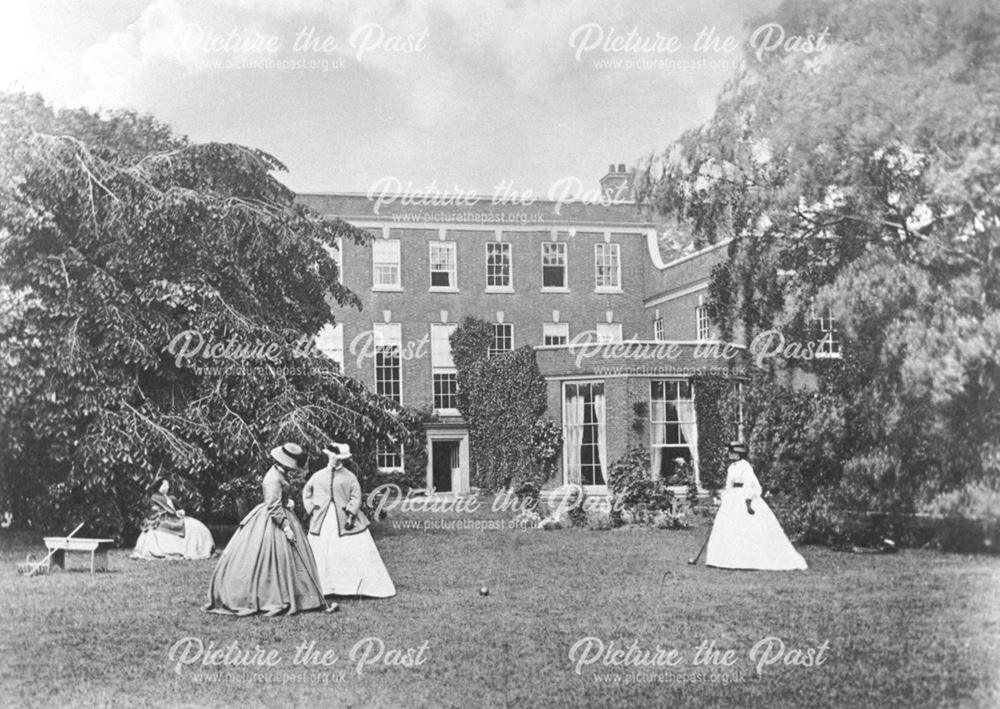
x,y
860,181
158,300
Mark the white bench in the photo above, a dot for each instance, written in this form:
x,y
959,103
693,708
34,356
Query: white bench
x,y
98,549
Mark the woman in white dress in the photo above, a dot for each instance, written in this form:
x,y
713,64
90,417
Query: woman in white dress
x,y
746,534
169,533
348,561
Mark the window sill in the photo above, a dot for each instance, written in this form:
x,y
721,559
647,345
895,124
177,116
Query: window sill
x,y
447,412
388,471
442,289
387,289
555,290
609,291
499,289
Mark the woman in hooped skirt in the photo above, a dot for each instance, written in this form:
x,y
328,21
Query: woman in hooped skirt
x,y
268,567
746,534
168,533
348,560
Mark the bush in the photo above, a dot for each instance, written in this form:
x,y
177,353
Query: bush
x,y
967,519
631,484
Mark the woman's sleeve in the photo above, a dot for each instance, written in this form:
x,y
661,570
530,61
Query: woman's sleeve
x,y
751,485
272,498
354,501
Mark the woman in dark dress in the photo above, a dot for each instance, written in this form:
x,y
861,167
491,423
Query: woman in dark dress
x,y
168,533
268,566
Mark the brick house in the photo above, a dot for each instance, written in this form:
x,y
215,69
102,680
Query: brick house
x,y
616,330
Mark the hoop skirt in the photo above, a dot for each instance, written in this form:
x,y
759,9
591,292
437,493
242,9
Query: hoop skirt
x,y
197,543
261,571
350,565
740,540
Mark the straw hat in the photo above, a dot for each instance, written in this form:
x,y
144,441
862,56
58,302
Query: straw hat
x,y
290,455
338,451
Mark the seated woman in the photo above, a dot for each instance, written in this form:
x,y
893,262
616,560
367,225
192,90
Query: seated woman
x,y
169,533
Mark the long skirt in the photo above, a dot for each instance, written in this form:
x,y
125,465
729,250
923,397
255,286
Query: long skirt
x,y
740,540
261,571
197,543
350,565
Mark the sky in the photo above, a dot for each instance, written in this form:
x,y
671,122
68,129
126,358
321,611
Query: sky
x,y
456,95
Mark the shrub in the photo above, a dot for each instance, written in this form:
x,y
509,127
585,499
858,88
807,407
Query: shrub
x,y
631,484
967,519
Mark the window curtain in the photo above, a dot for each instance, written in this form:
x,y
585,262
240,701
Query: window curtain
x,y
602,430
659,432
573,423
689,428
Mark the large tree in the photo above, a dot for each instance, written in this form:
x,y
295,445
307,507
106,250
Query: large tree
x,y
861,179
123,248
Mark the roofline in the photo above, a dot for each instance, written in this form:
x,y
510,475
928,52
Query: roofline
x,y
696,254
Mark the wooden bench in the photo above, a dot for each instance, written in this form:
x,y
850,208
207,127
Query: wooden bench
x,y
98,549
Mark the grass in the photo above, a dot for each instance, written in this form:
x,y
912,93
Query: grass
x,y
918,628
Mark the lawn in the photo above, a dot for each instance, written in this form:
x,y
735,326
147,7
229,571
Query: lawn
x,y
912,629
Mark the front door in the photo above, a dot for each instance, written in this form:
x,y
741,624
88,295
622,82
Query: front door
x,y
444,465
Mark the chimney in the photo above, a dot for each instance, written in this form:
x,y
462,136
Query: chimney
x,y
616,186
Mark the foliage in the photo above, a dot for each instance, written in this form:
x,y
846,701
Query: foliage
x,y
632,486
968,518
503,399
860,180
716,410
118,237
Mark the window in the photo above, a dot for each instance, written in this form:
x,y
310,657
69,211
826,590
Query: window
x,y
444,377
389,457
388,365
673,429
330,341
443,267
553,265
385,264
555,333
609,332
503,339
658,333
607,267
829,337
584,432
702,327
498,269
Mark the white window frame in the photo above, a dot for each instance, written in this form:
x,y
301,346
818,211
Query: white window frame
x,y
388,335
506,250
555,330
386,263
451,267
442,363
562,249
679,382
607,256
605,465
493,351
829,345
658,332
702,325
382,450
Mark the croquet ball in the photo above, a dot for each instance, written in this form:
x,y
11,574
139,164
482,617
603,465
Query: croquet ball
x,y
484,591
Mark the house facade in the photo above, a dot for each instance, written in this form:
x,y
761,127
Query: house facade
x,y
620,335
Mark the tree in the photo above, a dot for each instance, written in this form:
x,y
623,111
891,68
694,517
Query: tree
x,y
861,180
158,300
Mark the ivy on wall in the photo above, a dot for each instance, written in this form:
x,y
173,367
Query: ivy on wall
x,y
503,401
717,412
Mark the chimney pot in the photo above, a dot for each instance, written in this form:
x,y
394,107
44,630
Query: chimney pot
x,y
611,168
621,167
